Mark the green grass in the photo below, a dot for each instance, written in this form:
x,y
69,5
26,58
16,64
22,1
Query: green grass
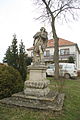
x,y
71,108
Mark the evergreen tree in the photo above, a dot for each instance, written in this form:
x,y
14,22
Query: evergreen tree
x,y
28,60
18,61
14,51
8,56
11,56
22,61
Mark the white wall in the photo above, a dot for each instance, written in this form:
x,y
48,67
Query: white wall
x,y
51,50
71,48
78,60
29,53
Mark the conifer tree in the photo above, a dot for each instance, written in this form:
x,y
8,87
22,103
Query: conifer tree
x,y
14,51
8,57
22,61
15,59
11,56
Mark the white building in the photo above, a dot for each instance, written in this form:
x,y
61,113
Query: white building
x,y
66,49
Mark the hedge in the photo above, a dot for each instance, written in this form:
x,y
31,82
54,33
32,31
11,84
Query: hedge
x,y
10,81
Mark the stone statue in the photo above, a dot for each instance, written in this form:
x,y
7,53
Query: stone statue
x,y
40,43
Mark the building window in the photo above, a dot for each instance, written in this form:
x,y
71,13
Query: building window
x,y
47,53
64,51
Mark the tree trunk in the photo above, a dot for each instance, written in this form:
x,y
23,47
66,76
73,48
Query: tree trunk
x,y
56,50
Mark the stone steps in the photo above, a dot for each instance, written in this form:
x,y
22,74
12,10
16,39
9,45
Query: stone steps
x,y
52,102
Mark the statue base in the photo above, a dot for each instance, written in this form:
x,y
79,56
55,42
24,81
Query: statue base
x,y
53,101
37,85
36,92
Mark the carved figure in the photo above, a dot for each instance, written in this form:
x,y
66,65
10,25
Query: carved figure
x,y
40,43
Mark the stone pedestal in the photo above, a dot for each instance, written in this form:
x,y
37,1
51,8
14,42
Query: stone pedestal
x,y
37,85
36,93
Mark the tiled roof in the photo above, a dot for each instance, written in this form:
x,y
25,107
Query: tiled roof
x,y
62,42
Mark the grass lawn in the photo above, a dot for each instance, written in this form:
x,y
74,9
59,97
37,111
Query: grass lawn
x,y
71,109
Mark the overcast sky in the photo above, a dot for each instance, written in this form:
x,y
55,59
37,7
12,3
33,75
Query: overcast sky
x,y
17,16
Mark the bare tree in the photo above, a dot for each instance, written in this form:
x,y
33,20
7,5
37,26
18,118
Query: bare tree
x,y
61,9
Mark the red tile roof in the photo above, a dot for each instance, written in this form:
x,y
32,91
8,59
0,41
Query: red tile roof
x,y
62,42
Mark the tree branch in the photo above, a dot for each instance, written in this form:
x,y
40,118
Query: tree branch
x,y
47,7
61,10
49,2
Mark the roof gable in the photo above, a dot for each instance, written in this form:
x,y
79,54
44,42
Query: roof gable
x,y
62,42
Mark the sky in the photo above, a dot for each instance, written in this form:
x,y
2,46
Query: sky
x,y
17,17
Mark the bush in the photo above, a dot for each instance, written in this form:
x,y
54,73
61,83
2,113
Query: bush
x,y
10,81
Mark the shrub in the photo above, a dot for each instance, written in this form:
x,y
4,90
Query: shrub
x,y
10,81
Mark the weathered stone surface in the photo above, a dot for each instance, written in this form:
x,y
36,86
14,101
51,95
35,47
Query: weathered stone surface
x,y
36,92
40,44
37,72
53,101
37,85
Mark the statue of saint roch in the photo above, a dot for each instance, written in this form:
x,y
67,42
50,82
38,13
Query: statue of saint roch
x,y
40,44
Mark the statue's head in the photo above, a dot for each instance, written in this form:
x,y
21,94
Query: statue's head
x,y
42,29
